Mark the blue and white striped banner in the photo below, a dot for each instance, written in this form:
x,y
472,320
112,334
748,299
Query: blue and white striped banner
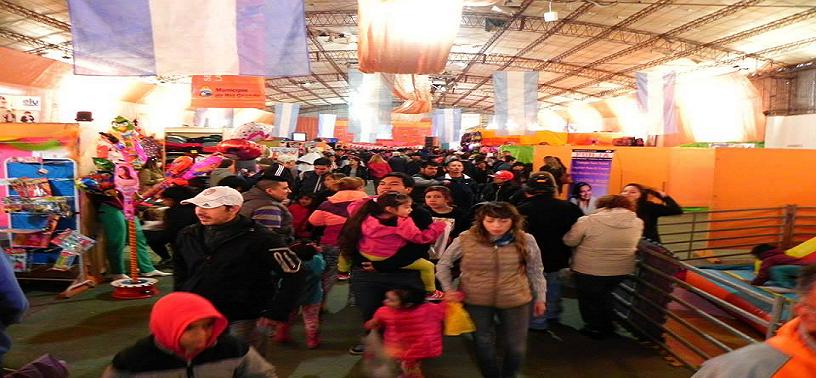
x,y
655,95
369,107
516,101
203,37
325,125
447,126
286,116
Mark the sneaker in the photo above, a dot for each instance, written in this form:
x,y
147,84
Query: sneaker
x,y
312,341
434,296
357,350
343,276
156,273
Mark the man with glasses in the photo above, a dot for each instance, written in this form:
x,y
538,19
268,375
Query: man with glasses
x,y
791,353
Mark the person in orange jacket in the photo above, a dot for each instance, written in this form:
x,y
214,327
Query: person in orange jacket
x,y
789,354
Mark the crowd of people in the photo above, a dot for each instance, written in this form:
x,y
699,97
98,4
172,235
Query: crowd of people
x,y
256,244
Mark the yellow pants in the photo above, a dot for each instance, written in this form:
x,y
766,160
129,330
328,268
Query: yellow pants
x,y
425,268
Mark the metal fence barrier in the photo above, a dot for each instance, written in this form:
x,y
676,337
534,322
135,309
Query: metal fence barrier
x,y
643,305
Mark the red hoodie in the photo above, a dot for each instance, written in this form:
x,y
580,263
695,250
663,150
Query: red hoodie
x,y
172,315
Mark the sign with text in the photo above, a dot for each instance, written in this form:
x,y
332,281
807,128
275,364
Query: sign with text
x,y
25,109
592,167
223,91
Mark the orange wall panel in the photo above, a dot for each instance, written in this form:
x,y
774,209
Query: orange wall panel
x,y
691,176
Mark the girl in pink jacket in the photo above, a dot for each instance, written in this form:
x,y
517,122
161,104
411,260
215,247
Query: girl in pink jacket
x,y
413,329
380,227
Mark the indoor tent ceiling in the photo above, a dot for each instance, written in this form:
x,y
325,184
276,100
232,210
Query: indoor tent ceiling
x,y
591,51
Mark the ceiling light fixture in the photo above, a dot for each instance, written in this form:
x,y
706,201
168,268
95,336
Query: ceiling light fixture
x,y
550,16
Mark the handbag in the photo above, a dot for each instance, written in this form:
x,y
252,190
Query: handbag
x,y
457,320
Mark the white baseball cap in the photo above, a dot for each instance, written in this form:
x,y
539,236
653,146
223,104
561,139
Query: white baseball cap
x,y
216,196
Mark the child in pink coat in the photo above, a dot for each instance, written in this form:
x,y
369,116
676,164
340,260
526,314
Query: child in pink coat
x,y
380,227
413,329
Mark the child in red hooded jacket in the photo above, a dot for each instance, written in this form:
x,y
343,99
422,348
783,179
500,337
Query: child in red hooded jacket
x,y
413,329
187,339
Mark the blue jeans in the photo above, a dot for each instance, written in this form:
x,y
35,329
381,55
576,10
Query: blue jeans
x,y
554,307
512,329
785,275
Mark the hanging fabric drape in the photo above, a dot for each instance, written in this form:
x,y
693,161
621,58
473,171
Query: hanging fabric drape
x,y
369,107
406,36
516,102
415,90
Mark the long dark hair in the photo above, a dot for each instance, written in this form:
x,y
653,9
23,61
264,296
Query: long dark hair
x,y
352,231
576,189
644,194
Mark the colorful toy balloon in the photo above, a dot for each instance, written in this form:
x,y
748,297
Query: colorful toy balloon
x,y
242,149
103,165
252,131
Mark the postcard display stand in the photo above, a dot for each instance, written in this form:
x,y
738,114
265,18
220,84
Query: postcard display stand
x,y
48,206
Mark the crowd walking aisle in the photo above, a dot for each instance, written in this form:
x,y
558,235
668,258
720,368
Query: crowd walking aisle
x,y
87,330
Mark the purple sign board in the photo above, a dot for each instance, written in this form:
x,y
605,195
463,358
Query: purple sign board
x,y
592,167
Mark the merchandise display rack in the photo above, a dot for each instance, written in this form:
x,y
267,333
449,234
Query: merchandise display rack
x,y
61,175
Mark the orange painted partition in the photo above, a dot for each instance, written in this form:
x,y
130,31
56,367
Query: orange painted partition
x,y
683,173
404,133
760,178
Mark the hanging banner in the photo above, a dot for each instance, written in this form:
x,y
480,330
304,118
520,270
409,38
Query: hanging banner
x,y
24,109
592,167
516,99
325,125
223,91
286,116
369,107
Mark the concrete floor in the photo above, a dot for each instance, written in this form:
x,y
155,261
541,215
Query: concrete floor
x,y
87,330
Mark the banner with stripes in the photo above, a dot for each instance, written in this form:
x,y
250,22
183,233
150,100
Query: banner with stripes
x,y
447,126
325,125
516,102
286,116
369,107
655,95
182,37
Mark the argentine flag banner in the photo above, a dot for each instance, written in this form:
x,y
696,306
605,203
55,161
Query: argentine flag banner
x,y
189,37
447,126
516,101
286,116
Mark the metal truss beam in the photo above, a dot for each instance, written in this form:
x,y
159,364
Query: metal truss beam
x,y
571,28
722,59
334,64
493,38
727,11
350,56
31,41
543,37
29,14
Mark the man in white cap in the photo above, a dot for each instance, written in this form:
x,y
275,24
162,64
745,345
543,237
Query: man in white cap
x,y
229,259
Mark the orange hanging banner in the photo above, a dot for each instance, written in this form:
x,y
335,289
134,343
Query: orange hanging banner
x,y
223,91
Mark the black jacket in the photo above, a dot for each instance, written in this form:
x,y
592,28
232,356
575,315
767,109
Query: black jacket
x,y
228,357
236,272
650,211
464,190
503,192
310,183
397,164
548,219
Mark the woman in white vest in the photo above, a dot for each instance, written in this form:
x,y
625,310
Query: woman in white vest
x,y
502,276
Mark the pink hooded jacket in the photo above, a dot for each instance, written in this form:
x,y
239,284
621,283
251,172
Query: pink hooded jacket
x,y
384,241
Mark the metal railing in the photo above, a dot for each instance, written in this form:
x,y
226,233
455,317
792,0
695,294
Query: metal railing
x,y
643,303
732,233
